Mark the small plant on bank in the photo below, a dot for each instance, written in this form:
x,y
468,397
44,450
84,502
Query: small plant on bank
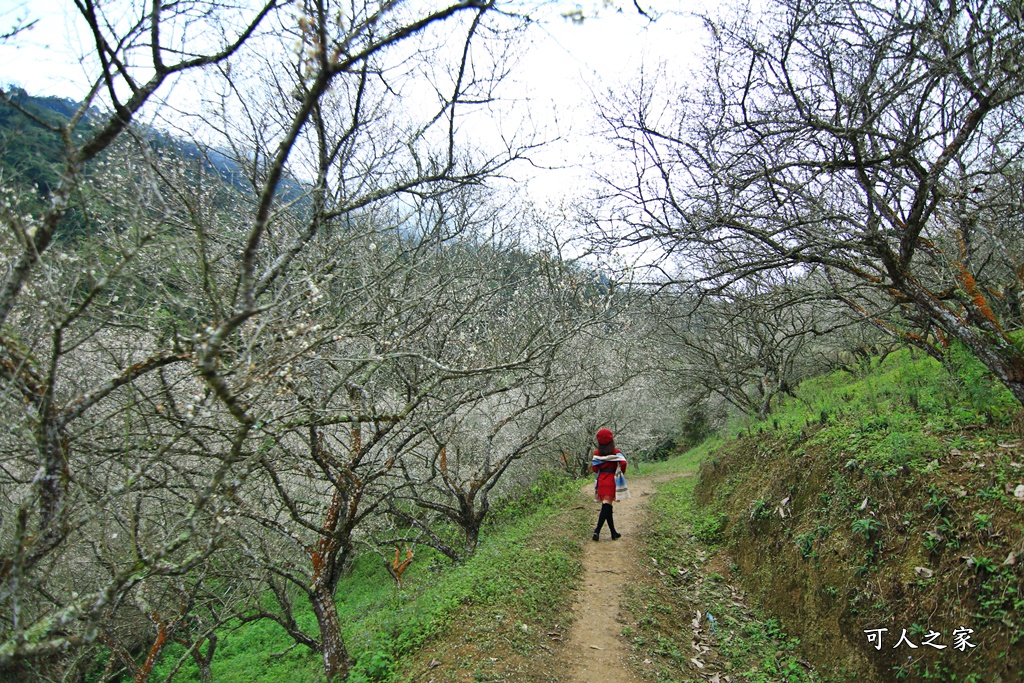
x,y
805,542
760,510
865,526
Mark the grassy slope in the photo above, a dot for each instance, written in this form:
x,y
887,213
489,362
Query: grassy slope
x,y
681,577
884,500
520,576
517,604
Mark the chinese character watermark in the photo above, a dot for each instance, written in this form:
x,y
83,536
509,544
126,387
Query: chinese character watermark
x,y
904,639
875,636
961,639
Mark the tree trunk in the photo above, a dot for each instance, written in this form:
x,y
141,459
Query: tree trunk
x,y
203,660
472,531
988,342
55,479
472,521
163,630
332,645
767,394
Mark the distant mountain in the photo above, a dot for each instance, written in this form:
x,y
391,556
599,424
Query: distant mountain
x,y
31,154
61,106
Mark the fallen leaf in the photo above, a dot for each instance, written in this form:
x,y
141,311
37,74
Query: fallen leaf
x,y
434,663
1011,559
595,647
1019,492
955,451
647,661
785,501
924,572
863,505
696,662
715,679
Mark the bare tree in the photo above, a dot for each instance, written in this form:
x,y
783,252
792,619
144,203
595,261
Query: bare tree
x,y
388,335
749,346
487,442
877,143
151,368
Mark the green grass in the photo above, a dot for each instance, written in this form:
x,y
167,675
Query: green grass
x,y
904,390
906,464
386,627
684,462
682,535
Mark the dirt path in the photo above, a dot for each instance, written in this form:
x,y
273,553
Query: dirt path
x,y
596,649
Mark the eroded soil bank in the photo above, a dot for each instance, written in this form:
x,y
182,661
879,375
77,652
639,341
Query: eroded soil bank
x,y
837,544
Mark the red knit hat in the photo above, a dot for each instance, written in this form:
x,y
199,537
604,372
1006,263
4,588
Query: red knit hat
x,y
605,436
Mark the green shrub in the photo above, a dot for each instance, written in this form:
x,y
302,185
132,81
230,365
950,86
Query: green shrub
x,y
708,528
989,398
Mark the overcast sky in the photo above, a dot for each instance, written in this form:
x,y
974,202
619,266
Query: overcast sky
x,y
564,67
572,67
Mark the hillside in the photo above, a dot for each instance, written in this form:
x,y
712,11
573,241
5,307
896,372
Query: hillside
x,y
30,151
890,499
31,154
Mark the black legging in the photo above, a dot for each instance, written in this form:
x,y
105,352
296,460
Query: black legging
x,y
605,516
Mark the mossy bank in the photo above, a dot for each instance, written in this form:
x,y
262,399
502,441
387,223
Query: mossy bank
x,y
891,499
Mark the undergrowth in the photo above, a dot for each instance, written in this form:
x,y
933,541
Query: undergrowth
x,y
885,497
901,393
690,622
516,571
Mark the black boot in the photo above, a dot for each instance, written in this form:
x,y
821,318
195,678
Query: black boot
x,y
611,525
606,512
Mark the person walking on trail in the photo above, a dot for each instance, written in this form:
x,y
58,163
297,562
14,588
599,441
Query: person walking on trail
x,y
610,466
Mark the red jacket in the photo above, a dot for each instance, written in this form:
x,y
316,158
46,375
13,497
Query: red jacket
x,y
606,477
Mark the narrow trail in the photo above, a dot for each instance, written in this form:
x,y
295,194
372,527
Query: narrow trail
x,y
596,649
